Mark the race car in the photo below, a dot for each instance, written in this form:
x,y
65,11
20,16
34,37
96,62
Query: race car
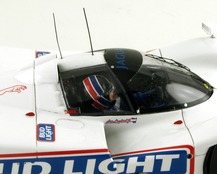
x,y
114,111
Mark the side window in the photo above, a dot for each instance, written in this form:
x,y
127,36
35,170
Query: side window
x,y
93,91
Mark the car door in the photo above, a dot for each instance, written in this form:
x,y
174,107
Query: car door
x,y
150,143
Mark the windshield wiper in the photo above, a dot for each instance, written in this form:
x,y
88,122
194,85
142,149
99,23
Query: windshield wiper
x,y
170,61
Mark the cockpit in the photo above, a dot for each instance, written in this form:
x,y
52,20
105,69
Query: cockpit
x,y
141,83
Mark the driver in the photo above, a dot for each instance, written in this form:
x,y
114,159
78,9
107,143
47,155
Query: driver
x,y
101,92
150,99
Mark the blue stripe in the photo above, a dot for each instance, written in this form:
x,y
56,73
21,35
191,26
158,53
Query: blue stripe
x,y
103,101
96,85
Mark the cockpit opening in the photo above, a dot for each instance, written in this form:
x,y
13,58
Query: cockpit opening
x,y
132,83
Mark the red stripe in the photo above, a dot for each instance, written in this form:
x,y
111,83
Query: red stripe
x,y
70,152
98,105
89,87
151,150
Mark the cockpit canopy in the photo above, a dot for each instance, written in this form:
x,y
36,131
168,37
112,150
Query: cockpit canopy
x,y
143,83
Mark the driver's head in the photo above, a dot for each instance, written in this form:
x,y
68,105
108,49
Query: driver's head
x,y
100,89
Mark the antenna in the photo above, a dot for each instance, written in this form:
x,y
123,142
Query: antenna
x,y
57,36
88,31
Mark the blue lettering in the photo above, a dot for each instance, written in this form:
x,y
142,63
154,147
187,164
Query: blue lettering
x,y
120,60
120,56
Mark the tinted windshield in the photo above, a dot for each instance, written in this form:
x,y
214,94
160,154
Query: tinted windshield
x,y
123,62
159,85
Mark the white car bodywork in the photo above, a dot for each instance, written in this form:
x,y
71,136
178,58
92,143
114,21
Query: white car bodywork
x,y
38,135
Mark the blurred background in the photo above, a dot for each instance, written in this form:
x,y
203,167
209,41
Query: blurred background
x,y
137,24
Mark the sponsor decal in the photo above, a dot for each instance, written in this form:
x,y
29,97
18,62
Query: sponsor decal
x,y
41,53
120,59
121,121
61,162
166,161
16,88
46,132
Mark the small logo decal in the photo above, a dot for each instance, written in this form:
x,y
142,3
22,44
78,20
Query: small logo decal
x,y
46,132
41,53
16,88
121,121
